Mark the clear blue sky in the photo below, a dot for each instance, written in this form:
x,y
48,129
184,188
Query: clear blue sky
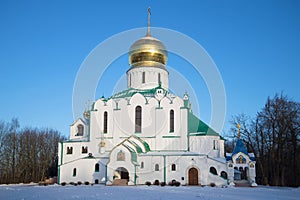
x,y
255,44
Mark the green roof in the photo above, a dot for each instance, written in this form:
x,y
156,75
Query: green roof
x,y
133,153
131,91
146,145
198,127
137,147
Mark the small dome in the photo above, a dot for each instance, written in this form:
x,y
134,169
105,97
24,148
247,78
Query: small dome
x,y
148,51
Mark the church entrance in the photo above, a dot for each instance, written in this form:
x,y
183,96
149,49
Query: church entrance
x,y
123,173
193,176
121,176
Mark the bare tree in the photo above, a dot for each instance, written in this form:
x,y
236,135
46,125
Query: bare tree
x,y
273,136
27,154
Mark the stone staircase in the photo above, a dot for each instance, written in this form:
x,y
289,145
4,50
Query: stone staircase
x,y
242,183
120,182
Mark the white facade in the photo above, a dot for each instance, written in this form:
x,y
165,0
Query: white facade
x,y
143,133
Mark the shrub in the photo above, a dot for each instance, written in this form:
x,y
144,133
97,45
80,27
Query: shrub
x,y
63,183
86,183
71,183
79,183
177,183
156,182
162,184
172,183
75,184
212,184
148,183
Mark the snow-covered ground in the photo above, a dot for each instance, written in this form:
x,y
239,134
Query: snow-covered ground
x,y
145,192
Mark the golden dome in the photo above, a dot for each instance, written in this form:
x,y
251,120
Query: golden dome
x,y
148,51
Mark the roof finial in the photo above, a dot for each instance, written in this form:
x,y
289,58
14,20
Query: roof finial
x,y
149,15
239,131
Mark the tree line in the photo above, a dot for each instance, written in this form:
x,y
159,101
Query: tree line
x,y
273,135
27,154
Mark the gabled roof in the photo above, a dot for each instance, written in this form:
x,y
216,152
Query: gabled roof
x,y
79,119
196,127
240,147
132,143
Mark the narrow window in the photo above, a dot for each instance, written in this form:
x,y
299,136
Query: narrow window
x,y
74,172
142,165
143,77
69,150
80,130
129,80
105,122
138,119
97,167
156,167
224,175
215,144
171,121
159,81
84,149
213,170
173,167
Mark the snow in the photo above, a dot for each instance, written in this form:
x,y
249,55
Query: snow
x,y
23,191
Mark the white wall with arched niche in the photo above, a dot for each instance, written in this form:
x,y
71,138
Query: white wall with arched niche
x,y
79,130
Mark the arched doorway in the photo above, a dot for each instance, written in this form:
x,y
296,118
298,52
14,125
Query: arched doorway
x,y
124,174
193,176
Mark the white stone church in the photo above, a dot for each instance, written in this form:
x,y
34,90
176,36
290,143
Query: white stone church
x,y
146,133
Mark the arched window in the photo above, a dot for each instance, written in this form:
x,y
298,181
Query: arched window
x,y
138,119
142,165
171,120
80,130
143,77
173,167
156,168
213,170
105,122
159,81
224,175
74,172
84,149
69,150
97,167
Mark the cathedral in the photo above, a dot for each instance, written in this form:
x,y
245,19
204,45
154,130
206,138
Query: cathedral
x,y
146,134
